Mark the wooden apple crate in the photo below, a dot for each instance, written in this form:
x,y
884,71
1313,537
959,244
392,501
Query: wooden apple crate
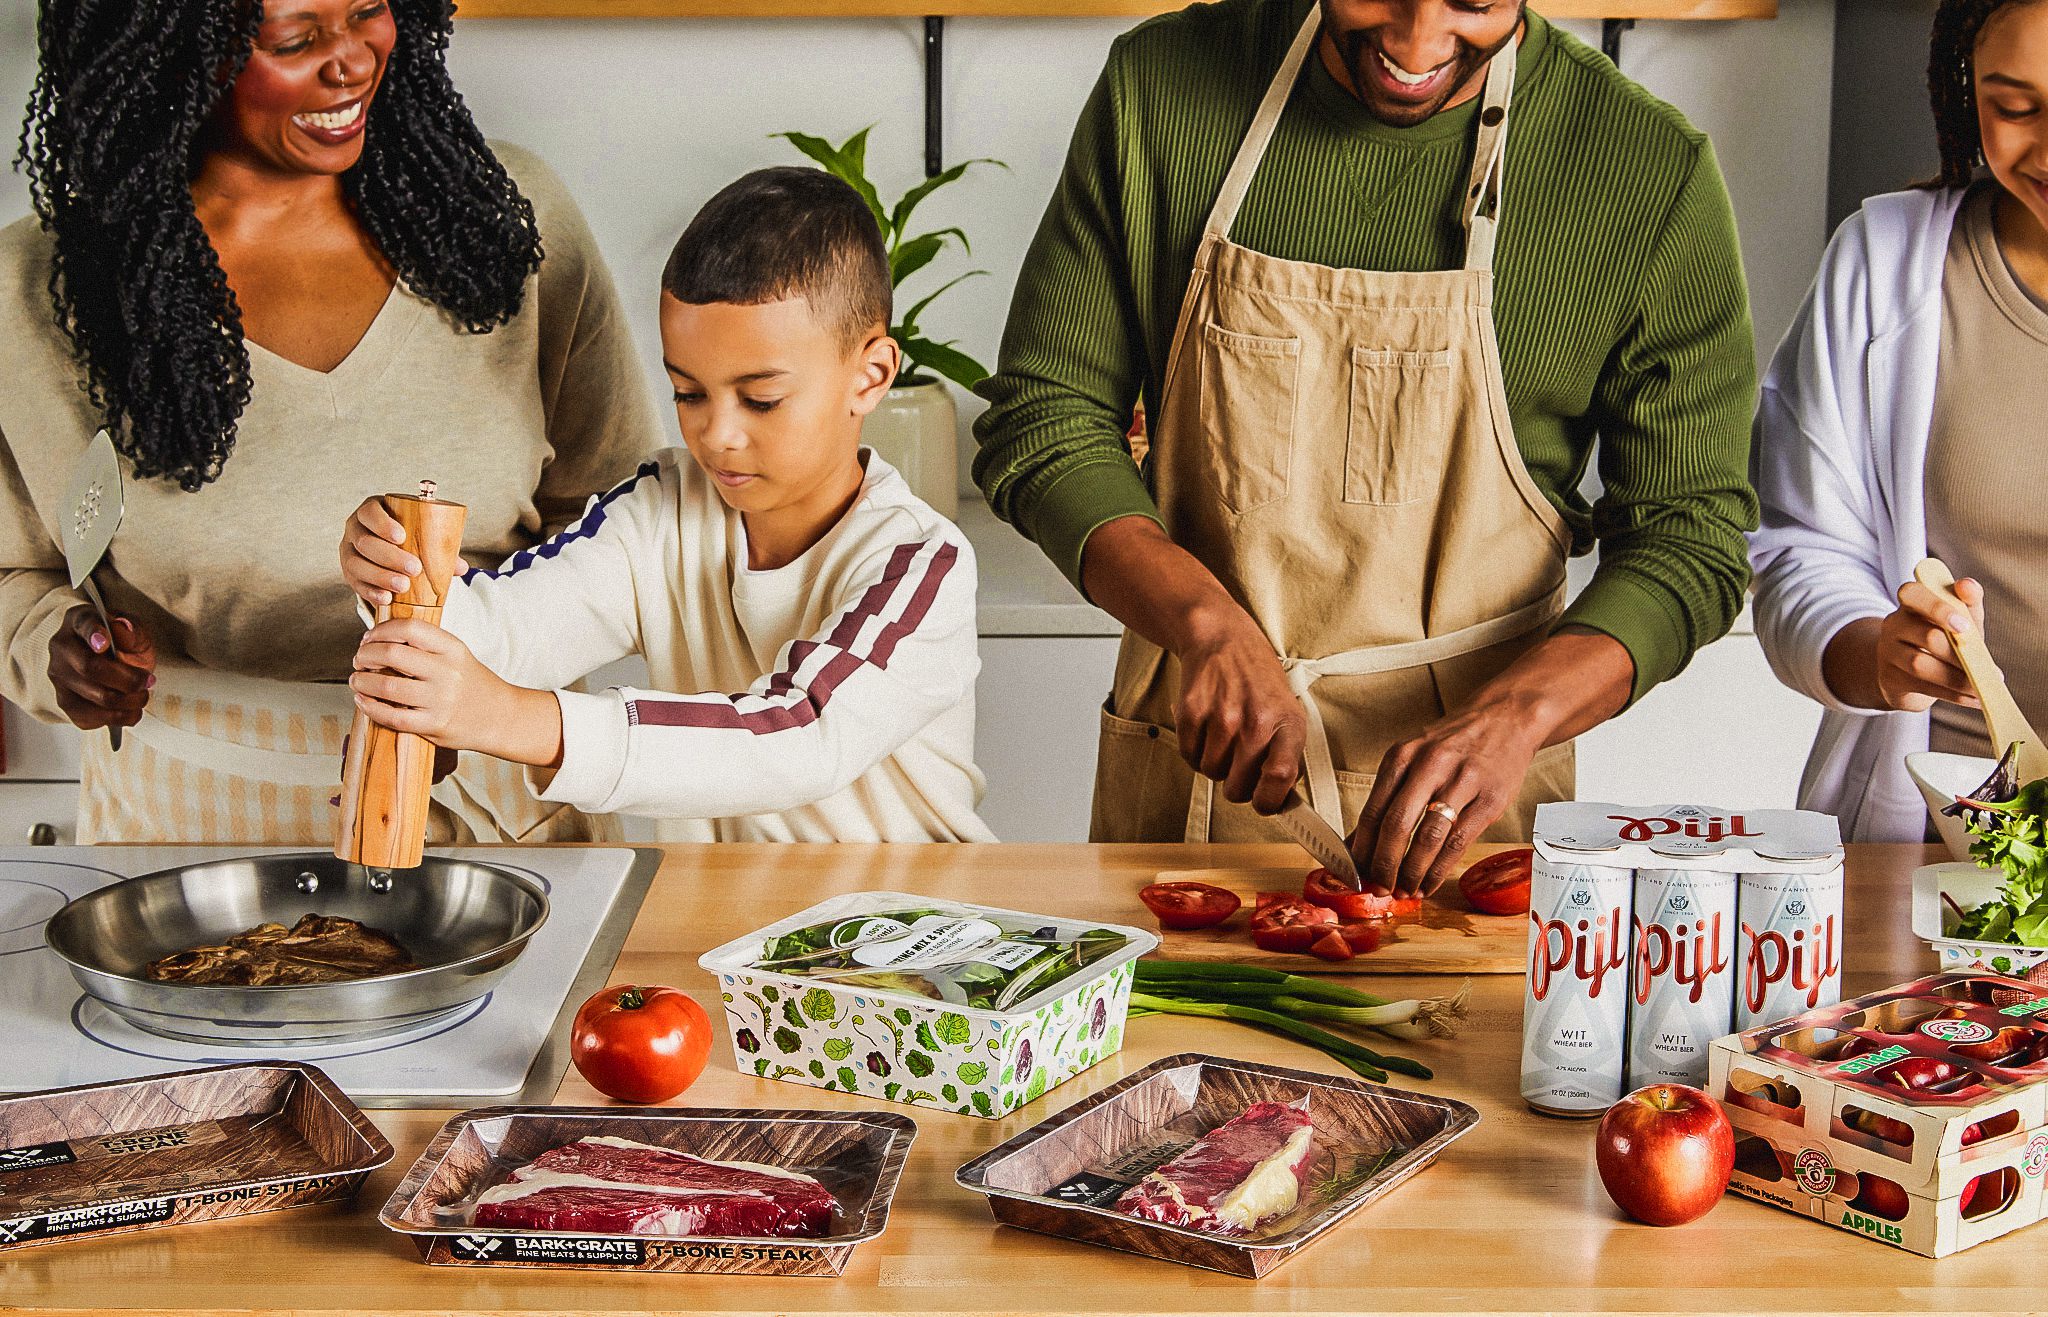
x,y
1822,1109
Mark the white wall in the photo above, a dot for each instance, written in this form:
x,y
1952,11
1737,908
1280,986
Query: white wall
x,y
646,119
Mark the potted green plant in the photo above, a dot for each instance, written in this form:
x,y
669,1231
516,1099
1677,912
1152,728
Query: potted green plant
x,y
915,428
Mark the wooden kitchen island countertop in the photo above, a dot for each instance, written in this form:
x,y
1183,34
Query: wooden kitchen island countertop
x,y
1511,1218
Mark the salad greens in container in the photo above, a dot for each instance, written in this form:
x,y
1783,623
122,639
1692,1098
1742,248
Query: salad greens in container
x,y
967,1008
2008,824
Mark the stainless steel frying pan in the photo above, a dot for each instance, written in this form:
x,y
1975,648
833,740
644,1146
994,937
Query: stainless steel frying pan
x,y
464,922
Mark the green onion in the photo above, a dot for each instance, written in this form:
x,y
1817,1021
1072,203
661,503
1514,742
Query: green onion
x,y
1299,985
1360,1060
1304,997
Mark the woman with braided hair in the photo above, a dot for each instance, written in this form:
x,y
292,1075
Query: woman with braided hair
x,y
274,258
1902,418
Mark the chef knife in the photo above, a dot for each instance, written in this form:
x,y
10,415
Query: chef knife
x,y
95,502
1319,839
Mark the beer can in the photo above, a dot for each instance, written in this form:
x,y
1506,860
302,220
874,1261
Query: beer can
x,y
1789,949
1681,973
1575,1004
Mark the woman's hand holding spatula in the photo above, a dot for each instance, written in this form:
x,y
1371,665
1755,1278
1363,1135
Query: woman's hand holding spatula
x,y
102,675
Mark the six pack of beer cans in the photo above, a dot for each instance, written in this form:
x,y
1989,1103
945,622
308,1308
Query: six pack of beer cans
x,y
1653,932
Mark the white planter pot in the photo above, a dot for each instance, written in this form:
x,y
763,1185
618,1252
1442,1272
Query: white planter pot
x,y
914,430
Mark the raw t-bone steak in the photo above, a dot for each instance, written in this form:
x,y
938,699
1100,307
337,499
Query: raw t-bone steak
x,y
606,1185
1245,1172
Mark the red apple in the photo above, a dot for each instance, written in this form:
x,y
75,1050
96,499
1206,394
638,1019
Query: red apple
x,y
1665,1153
1882,1127
1917,1073
1880,1197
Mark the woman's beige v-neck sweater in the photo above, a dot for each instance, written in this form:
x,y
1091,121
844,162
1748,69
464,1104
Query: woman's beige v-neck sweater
x,y
523,425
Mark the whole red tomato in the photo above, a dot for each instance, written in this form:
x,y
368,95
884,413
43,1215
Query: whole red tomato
x,y
1665,1154
640,1044
1499,884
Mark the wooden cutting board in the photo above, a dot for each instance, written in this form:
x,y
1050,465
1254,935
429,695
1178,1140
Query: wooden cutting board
x,y
1447,938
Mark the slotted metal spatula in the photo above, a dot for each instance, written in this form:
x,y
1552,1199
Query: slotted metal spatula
x,y
95,502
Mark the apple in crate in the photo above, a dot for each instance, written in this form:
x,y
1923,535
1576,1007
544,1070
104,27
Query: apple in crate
x,y
1665,1153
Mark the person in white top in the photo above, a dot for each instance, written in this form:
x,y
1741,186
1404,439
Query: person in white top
x,y
808,620
1900,417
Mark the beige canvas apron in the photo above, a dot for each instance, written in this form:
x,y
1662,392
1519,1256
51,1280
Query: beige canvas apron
x,y
1335,446
238,760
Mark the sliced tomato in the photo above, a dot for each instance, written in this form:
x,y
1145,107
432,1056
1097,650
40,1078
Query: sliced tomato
x,y
1326,889
1288,923
1499,884
1264,899
1292,910
1186,905
1364,936
1283,937
1331,944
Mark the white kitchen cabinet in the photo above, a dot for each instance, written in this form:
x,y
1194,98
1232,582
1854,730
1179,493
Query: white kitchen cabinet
x,y
39,790
38,813
1037,708
38,752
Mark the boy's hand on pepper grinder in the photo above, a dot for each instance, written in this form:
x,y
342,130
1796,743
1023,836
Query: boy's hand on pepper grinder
x,y
412,676
373,560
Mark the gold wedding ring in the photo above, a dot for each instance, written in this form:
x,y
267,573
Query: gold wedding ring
x,y
1443,811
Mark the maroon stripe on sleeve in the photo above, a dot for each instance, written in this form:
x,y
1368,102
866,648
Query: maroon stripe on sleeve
x,y
920,604
724,712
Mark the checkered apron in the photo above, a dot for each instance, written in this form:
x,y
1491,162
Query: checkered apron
x,y
235,760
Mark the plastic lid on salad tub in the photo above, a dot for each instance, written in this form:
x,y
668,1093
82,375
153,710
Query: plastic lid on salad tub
x,y
744,955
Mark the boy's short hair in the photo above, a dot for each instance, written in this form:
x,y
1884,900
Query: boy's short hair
x,y
786,232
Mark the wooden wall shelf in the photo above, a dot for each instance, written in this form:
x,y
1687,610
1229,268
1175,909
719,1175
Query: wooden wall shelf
x,y
1637,9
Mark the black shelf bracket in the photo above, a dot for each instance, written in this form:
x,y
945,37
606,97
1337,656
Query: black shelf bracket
x,y
1610,37
934,113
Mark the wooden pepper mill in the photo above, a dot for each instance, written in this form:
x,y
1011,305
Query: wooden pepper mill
x,y
387,775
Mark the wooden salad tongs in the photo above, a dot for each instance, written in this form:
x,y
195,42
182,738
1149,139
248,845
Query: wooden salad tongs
x,y
2009,726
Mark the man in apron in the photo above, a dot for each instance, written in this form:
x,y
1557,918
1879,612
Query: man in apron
x,y
1342,564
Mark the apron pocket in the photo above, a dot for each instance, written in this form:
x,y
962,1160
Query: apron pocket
x,y
1402,406
1247,396
1141,783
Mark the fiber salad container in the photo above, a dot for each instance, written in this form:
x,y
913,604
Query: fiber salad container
x,y
967,1008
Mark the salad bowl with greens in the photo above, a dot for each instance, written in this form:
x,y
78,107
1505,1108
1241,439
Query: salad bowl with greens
x,y
1992,914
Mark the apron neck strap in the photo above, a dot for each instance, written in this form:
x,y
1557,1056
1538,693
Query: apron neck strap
x,y
1489,160
1239,180
1489,156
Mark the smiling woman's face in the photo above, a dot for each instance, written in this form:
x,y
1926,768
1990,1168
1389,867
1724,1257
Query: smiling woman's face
x,y
2012,102
302,102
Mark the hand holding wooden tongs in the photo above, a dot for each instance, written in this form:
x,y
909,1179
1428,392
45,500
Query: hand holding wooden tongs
x,y
2002,713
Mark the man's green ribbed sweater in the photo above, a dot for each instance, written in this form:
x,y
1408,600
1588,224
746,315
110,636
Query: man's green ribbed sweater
x,y
1620,302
